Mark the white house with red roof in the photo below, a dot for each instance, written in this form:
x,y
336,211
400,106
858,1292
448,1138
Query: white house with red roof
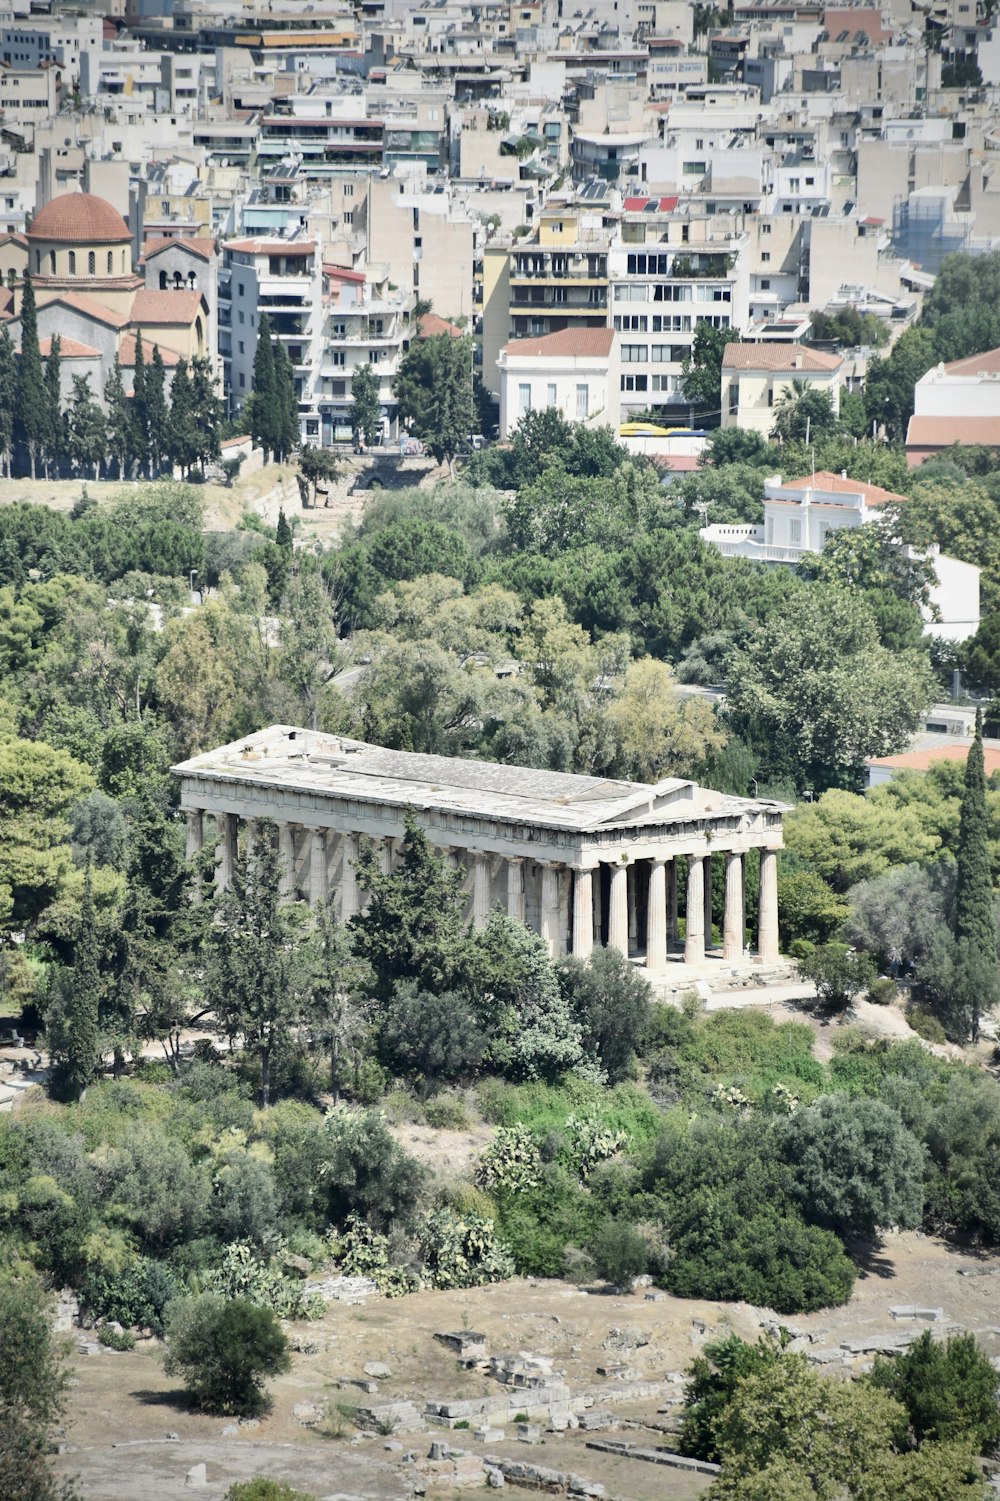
x,y
575,372
955,403
755,377
799,516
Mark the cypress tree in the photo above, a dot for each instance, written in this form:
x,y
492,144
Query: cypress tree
x,y
288,429
53,445
974,922
184,437
83,1048
29,427
264,415
283,532
8,397
157,413
119,419
140,412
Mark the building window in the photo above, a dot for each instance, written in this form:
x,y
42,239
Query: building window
x,y
52,262
795,533
72,263
524,398
765,284
91,263
582,403
635,354
243,380
765,229
163,281
635,383
551,396
242,319
348,190
734,398
111,262
770,396
241,347
338,358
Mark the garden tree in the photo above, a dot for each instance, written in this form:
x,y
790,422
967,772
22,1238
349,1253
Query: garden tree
x,y
736,445
803,412
980,656
853,419
513,987
713,1378
417,697
935,1472
34,1379
53,436
207,410
659,733
434,389
611,1004
960,517
366,409
30,410
962,309
949,1390
895,916
157,411
263,407
38,787
411,546
807,908
81,1020
847,328
316,464
975,923
119,419
701,370
858,1169
847,838
620,1253
365,1173
338,1010
413,927
818,1436
86,433
430,1039
288,427
225,1349
839,975
890,381
8,399
558,510
734,492
257,976
869,559
310,653
817,681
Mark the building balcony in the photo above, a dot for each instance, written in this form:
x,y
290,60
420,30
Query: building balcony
x,y
558,309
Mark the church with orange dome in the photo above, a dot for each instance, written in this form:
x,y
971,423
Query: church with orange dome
x,y
78,252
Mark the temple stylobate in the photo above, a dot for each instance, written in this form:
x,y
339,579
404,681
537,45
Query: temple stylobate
x,y
584,861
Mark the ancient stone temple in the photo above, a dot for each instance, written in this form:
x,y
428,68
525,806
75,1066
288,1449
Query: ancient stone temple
x,y
582,860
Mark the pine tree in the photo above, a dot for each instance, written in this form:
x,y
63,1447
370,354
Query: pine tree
x,y
52,442
30,414
119,419
83,1047
8,397
263,401
157,411
140,414
974,922
289,431
366,410
86,432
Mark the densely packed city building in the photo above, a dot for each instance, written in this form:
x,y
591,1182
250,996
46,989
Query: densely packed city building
x,y
578,192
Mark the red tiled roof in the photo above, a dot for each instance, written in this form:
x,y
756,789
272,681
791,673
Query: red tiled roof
x,y
923,760
16,239
165,307
987,363
200,246
430,326
942,432
783,359
126,352
568,342
81,219
825,479
69,349
273,247
90,308
344,273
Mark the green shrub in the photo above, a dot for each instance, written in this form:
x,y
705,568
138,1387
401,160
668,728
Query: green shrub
x,y
446,1112
224,1350
136,1296
620,1253
461,1250
949,1390
839,974
712,1381
542,1107
244,1273
539,1224
262,1489
883,991
364,1252
511,1164
115,1339
925,1024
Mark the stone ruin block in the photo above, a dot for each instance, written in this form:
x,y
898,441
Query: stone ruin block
x,y
390,1417
468,1346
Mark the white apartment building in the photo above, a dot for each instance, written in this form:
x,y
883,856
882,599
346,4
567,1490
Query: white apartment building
x,y
755,377
574,372
59,39
365,321
282,278
667,275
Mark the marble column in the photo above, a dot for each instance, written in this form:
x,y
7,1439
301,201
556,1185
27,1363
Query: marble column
x,y
633,909
734,925
583,911
515,888
252,835
656,916
226,850
694,917
708,902
317,868
549,924
480,890
195,832
350,896
767,940
286,860
671,904
618,910
385,853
